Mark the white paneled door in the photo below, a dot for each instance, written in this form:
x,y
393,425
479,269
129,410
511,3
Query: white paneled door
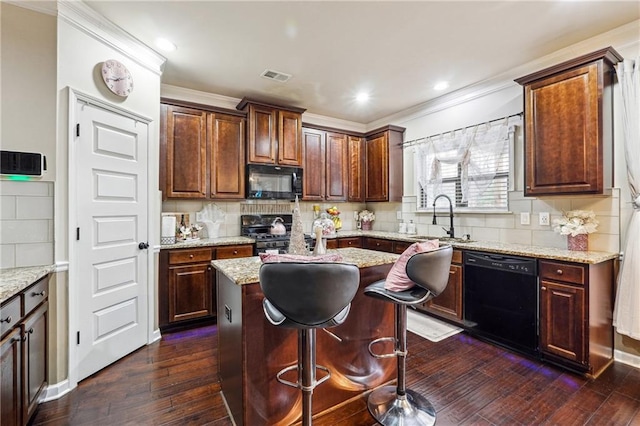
x,y
111,236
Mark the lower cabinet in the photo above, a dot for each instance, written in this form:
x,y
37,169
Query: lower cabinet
x,y
187,284
23,353
576,302
449,303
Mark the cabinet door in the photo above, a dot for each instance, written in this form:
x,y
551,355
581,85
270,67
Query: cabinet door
x,y
227,162
337,167
10,379
184,140
377,173
378,244
349,242
563,146
34,358
190,292
289,138
262,135
356,167
314,164
562,321
449,302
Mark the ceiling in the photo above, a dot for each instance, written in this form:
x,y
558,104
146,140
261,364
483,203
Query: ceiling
x,y
397,51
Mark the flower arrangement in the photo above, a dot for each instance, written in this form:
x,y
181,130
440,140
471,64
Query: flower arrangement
x,y
366,216
576,222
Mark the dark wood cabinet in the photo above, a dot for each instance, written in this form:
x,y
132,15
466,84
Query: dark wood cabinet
x,y
378,244
449,303
383,162
576,302
356,169
568,126
274,133
347,242
201,153
325,165
23,353
184,139
187,295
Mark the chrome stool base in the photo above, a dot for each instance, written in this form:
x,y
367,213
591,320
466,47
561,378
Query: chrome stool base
x,y
391,409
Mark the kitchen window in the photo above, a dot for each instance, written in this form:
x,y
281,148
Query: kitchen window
x,y
472,166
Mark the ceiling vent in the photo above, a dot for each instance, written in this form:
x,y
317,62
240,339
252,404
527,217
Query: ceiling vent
x,y
276,75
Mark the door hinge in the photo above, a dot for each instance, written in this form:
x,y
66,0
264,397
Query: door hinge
x,y
78,338
78,130
77,234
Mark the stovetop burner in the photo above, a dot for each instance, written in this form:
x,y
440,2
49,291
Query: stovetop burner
x,y
258,227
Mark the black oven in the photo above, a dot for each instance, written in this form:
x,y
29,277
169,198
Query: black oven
x,y
501,300
268,182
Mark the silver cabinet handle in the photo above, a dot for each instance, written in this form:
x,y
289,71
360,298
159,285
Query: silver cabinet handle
x,y
559,272
42,293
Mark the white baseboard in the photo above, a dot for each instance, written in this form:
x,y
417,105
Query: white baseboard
x,y
627,358
56,390
155,335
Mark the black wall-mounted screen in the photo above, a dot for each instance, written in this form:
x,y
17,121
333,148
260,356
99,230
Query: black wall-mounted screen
x,y
22,163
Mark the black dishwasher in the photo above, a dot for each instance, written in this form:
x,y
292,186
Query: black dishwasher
x,y
501,300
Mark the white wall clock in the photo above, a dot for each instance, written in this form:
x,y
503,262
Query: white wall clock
x,y
117,77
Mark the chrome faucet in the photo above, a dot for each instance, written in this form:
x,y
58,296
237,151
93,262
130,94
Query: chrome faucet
x,y
450,231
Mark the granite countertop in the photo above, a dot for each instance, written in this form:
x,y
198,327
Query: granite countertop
x,y
245,270
14,280
590,257
209,242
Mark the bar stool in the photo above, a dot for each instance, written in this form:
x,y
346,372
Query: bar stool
x,y
396,405
307,296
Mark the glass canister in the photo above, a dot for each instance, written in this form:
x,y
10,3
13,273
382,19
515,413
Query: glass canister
x,y
327,225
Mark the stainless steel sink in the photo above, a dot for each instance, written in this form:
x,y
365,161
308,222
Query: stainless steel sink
x,y
444,239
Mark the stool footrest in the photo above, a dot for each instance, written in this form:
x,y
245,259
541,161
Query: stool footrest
x,y
297,384
395,352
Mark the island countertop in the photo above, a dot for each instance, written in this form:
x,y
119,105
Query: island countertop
x,y
245,270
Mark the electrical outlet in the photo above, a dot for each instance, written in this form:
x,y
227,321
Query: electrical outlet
x,y
399,214
525,218
544,219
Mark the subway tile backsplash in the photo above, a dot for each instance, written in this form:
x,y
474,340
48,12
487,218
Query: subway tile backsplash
x,y
26,223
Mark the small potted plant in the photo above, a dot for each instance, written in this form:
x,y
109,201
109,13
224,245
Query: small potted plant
x,y
366,217
576,225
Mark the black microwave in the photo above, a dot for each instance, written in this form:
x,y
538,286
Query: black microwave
x,y
269,182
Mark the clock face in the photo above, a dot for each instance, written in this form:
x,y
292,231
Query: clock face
x,y
117,77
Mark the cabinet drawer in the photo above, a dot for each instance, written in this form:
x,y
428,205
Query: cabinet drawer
x,y
230,252
10,315
379,244
562,272
349,242
400,246
35,295
189,256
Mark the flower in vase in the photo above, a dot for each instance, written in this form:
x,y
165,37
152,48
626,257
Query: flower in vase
x,y
576,222
366,216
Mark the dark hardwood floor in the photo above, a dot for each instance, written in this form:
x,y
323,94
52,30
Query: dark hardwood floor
x,y
174,382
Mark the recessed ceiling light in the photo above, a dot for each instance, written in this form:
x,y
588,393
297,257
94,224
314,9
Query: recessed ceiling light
x,y
166,45
362,97
441,85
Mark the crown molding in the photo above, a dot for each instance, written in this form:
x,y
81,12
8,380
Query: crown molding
x,y
87,20
46,7
623,38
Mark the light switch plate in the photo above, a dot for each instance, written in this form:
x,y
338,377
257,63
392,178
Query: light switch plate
x,y
544,219
399,214
525,218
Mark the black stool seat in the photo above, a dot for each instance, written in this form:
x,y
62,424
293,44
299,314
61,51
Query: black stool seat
x,y
306,297
397,405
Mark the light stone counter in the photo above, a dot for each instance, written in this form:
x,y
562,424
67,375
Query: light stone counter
x,y
209,242
245,270
14,280
590,257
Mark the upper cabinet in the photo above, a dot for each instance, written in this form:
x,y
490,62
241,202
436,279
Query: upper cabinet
x,y
356,169
274,134
201,153
568,126
383,162
325,164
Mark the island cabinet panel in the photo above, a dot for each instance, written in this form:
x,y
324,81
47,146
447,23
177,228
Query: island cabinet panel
x,y
576,311
568,126
252,351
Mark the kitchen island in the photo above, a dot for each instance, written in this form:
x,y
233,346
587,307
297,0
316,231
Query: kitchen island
x,y
251,350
